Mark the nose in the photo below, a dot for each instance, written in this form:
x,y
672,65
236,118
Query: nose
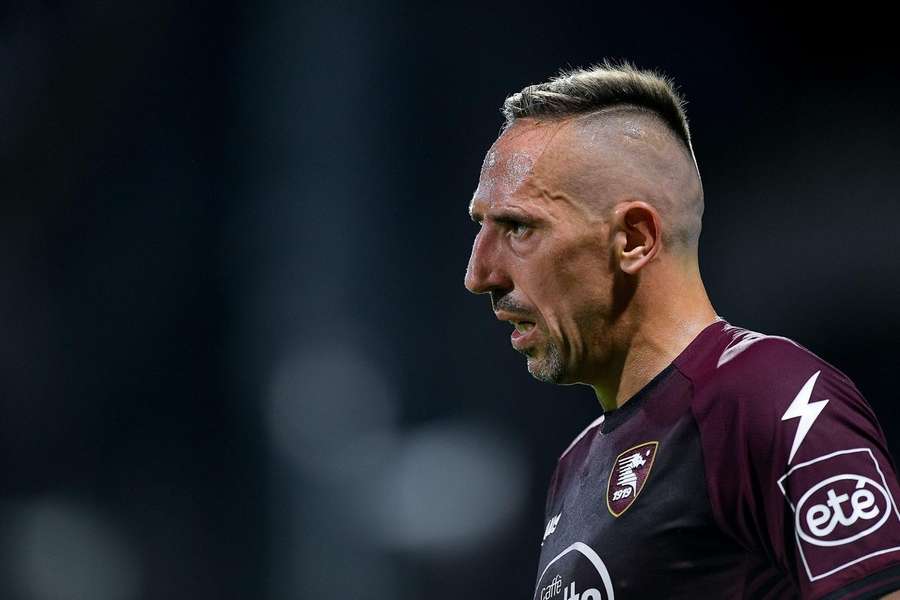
x,y
485,272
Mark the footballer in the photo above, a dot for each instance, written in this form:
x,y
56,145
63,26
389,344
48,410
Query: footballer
x,y
726,463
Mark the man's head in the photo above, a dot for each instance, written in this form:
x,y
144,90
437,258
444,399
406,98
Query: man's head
x,y
592,179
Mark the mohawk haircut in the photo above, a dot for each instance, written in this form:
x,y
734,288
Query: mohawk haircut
x,y
606,85
620,87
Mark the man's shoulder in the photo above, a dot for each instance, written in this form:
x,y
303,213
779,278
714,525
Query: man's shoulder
x,y
787,440
745,361
751,372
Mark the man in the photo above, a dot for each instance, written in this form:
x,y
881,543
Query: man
x,y
727,463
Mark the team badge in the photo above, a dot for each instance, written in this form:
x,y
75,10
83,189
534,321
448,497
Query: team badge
x,y
628,476
577,573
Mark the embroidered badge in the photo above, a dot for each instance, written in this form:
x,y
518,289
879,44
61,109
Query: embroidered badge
x,y
628,476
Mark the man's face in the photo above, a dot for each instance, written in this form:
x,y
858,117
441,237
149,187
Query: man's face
x,y
542,254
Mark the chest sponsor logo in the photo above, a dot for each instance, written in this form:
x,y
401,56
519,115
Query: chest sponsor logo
x,y
844,512
576,573
628,476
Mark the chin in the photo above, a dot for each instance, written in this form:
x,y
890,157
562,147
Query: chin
x,y
547,368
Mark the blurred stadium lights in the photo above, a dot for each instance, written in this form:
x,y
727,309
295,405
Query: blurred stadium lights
x,y
351,490
452,487
363,488
58,550
331,419
322,402
447,486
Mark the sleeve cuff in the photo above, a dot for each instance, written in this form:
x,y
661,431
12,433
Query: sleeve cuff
x,y
872,587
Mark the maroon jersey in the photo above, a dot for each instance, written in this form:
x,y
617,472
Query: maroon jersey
x,y
748,468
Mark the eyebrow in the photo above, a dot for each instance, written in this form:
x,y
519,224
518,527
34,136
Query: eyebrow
x,y
505,215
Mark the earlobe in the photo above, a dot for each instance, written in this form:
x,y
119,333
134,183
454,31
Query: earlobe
x,y
631,262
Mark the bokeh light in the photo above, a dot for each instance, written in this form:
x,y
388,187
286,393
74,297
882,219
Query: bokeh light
x,y
452,486
59,550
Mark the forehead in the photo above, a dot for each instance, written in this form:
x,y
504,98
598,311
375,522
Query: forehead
x,y
510,163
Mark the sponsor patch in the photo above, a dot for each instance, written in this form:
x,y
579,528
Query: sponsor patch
x,y
576,573
844,511
628,476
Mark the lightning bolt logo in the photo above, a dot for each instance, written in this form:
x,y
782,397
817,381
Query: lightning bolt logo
x,y
805,410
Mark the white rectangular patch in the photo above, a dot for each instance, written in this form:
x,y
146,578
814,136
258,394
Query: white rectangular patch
x,y
844,511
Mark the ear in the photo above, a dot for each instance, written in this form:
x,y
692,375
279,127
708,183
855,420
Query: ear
x,y
638,235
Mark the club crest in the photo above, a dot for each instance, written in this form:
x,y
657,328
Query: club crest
x,y
628,476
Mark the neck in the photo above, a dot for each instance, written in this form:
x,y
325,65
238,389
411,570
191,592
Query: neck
x,y
649,340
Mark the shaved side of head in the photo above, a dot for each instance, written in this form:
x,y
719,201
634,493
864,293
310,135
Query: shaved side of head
x,y
623,135
624,153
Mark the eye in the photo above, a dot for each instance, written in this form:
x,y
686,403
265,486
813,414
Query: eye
x,y
518,229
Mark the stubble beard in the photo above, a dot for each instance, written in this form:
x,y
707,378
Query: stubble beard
x,y
548,368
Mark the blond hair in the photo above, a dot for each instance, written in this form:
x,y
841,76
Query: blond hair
x,y
610,88
606,85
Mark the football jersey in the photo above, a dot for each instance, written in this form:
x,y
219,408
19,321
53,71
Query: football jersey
x,y
748,468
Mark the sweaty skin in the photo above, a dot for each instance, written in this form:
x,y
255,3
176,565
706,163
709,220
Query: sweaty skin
x,y
583,223
611,155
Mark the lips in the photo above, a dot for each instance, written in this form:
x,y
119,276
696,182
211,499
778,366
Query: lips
x,y
522,334
524,328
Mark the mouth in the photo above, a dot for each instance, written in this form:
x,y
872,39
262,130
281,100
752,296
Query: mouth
x,y
523,331
522,327
522,334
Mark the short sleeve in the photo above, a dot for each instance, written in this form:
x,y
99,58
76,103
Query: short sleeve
x,y
798,470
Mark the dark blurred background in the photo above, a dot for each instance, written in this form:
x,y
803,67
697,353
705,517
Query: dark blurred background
x,y
238,360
